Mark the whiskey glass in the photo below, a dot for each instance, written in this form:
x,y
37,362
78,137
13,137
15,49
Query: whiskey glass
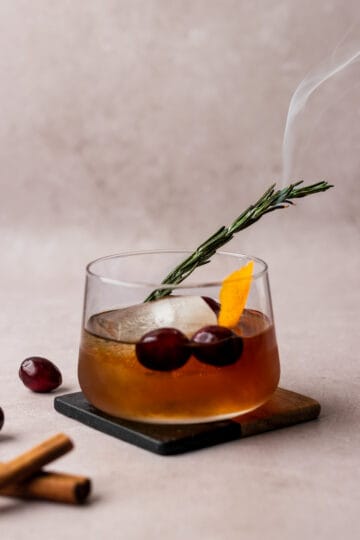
x,y
140,360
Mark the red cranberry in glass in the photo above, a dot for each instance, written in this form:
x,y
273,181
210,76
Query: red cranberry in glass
x,y
39,374
163,349
212,303
217,346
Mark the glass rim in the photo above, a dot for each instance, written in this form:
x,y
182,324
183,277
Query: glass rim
x,y
149,284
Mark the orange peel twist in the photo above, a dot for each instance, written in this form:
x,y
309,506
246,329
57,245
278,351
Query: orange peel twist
x,y
233,295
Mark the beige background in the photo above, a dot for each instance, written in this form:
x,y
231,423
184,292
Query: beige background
x,y
141,124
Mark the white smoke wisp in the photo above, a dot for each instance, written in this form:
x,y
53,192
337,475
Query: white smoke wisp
x,y
342,57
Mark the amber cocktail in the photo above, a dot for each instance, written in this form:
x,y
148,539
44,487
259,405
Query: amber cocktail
x,y
170,360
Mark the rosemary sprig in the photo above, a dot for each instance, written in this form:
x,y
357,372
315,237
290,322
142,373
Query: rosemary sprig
x,y
271,200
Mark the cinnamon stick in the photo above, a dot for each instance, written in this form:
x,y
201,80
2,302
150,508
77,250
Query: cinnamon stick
x,y
51,486
30,462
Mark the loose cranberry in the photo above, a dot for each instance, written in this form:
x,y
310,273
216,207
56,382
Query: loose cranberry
x,y
217,345
2,417
163,349
39,374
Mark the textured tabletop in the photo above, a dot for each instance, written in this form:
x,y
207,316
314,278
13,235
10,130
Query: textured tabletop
x,y
301,478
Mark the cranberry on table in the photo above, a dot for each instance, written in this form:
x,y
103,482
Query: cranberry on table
x,y
39,374
163,349
217,345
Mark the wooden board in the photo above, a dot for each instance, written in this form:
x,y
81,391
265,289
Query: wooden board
x,y
285,408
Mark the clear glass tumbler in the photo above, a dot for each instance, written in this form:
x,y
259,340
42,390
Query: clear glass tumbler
x,y
145,361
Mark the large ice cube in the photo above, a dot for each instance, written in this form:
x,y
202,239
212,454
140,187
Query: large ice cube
x,y
186,313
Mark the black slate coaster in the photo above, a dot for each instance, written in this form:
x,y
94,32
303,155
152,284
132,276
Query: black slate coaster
x,y
159,438
285,408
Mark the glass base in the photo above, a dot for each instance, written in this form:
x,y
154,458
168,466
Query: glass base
x,y
178,420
